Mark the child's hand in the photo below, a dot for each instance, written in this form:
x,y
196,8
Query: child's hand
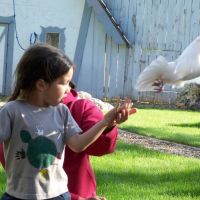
x,y
119,114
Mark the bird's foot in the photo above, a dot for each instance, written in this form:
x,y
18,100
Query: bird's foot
x,y
158,85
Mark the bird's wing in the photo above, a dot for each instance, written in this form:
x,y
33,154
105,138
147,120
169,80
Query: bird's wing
x,y
177,73
159,69
188,63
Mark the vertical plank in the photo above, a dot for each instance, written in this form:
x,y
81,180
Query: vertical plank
x,y
139,22
107,66
135,69
124,14
121,70
153,42
98,59
187,23
195,22
84,80
162,25
170,24
180,25
131,20
113,70
145,21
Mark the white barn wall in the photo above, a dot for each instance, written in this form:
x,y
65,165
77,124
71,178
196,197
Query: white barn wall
x,y
31,15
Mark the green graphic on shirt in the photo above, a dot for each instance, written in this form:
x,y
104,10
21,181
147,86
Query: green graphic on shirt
x,y
41,151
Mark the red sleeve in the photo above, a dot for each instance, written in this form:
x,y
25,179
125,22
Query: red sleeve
x,y
86,115
2,160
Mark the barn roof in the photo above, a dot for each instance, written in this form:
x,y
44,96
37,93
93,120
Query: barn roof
x,y
111,26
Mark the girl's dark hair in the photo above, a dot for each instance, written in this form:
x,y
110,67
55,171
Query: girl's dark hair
x,y
40,61
72,84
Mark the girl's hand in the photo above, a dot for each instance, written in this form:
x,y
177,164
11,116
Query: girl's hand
x,y
119,114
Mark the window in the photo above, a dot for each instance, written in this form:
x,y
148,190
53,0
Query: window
x,y
53,39
54,36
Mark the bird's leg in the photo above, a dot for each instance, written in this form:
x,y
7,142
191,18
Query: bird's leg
x,y
158,83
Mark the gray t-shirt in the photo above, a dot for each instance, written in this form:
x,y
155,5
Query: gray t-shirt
x,y
34,140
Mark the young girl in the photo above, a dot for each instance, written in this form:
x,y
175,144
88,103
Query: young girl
x,y
35,126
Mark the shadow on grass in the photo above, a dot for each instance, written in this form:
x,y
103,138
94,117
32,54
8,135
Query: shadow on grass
x,y
191,125
169,182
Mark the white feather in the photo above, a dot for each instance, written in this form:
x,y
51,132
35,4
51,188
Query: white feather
x,y
188,63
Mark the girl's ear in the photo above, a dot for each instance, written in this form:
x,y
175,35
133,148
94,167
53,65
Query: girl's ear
x,y
41,85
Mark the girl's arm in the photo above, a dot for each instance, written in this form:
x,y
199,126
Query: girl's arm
x,y
79,143
87,114
120,114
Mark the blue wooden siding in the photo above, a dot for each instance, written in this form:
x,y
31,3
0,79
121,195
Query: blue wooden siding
x,y
102,59
154,27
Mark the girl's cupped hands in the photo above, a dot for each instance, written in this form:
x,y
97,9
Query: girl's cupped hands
x,y
120,113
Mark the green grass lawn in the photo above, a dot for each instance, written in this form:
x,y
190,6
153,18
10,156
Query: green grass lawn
x,y
175,125
135,173
2,180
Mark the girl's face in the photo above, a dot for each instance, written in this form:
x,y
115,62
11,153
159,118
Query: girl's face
x,y
57,90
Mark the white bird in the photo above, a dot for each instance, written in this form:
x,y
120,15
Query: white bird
x,y
186,67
